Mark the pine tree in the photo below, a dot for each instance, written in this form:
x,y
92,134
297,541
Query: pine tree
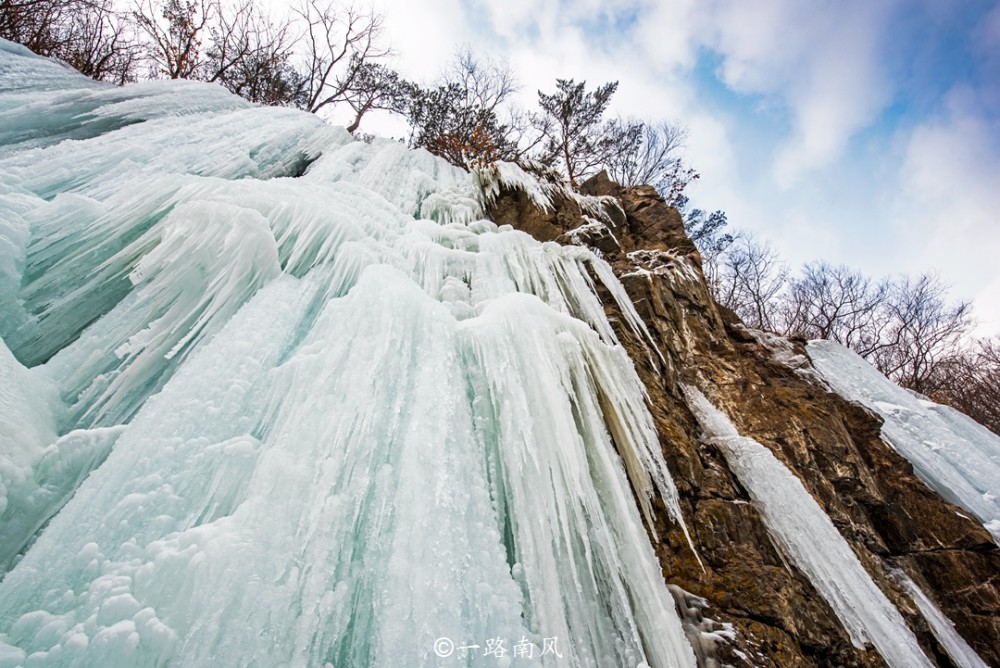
x,y
577,140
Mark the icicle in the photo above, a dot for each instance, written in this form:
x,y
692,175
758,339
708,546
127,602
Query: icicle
x,y
29,418
609,281
208,261
942,628
808,537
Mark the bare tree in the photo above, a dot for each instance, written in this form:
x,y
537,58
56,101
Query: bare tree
x,y
103,45
233,44
970,382
88,34
468,115
906,328
921,330
176,31
377,87
653,159
339,43
836,303
484,83
235,35
37,24
748,278
251,56
489,85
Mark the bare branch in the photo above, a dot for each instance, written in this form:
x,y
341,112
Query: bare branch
x,y
748,278
176,30
339,44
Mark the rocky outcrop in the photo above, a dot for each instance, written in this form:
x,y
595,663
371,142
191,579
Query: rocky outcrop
x,y
891,519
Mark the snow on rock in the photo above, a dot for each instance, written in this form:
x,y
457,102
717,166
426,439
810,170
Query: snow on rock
x,y
509,175
278,397
782,351
541,185
705,634
591,230
956,456
670,264
808,538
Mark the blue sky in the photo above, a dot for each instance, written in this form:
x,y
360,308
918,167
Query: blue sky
x,y
863,132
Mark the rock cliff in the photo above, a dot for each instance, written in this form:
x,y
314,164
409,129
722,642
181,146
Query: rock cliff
x,y
746,604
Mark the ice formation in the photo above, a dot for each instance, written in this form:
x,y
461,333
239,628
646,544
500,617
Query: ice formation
x,y
956,456
271,396
959,651
808,538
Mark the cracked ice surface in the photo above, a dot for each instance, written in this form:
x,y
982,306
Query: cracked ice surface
x,y
956,456
274,397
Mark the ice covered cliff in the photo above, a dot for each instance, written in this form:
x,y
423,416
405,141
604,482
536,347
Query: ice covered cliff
x,y
817,543
271,396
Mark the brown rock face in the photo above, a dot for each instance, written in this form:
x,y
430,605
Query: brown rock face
x,y
891,519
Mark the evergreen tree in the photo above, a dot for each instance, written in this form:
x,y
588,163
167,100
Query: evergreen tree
x,y
576,138
447,125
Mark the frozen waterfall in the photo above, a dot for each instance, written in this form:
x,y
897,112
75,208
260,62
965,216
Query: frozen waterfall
x,y
809,539
272,396
956,456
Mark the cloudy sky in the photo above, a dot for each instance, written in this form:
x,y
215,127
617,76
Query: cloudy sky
x,y
863,132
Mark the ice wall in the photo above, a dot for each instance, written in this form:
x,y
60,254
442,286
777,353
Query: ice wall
x,y
28,426
283,398
956,456
808,538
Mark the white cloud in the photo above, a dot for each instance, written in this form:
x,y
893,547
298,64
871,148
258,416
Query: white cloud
x,y
949,203
511,18
762,43
821,60
424,33
669,33
822,63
